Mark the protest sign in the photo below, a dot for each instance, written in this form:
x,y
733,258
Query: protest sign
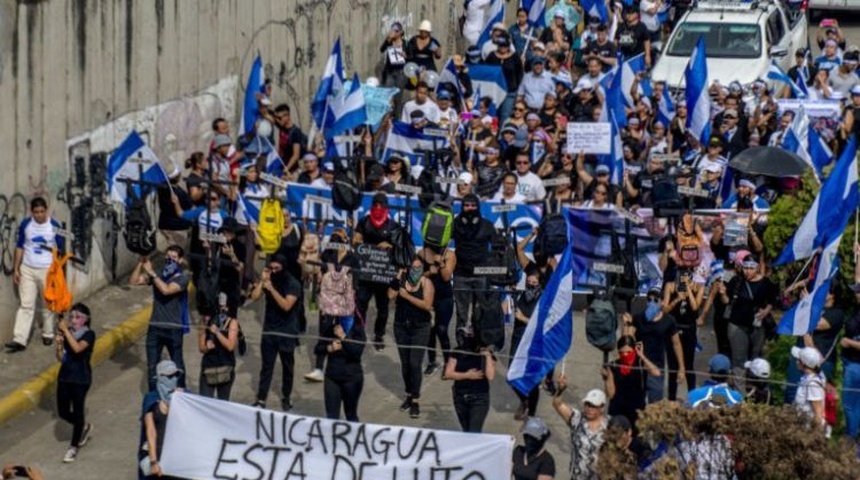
x,y
374,264
816,108
737,229
595,138
213,439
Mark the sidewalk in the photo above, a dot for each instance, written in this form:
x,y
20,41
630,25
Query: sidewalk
x,y
119,317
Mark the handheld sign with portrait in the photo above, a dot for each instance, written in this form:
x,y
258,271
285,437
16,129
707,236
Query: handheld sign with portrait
x,y
591,138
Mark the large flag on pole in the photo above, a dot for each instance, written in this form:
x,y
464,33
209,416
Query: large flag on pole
x,y
696,93
490,80
330,83
125,163
803,317
776,74
495,14
408,142
347,110
250,109
629,70
830,211
536,12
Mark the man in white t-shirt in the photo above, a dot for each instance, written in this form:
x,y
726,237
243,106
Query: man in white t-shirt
x,y
421,102
508,191
37,236
326,180
529,185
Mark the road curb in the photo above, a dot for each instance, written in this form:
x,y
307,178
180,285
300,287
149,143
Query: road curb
x,y
30,394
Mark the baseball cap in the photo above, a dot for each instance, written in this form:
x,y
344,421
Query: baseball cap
x,y
808,356
328,167
719,363
499,26
443,95
582,84
855,90
713,168
166,368
538,46
759,367
465,177
746,183
221,140
535,427
595,397
601,169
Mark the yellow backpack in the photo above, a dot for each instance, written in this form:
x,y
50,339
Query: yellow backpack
x,y
270,228
57,296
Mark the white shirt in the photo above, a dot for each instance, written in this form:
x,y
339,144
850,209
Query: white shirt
x,y
37,240
530,187
450,115
650,21
429,107
810,389
320,183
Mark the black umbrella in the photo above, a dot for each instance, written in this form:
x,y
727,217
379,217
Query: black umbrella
x,y
769,161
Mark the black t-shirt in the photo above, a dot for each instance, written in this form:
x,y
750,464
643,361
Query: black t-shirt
x,y
656,337
290,248
747,301
195,180
473,245
276,319
544,464
76,367
631,40
824,339
230,279
466,362
630,388
287,140
852,331
167,218
372,235
606,50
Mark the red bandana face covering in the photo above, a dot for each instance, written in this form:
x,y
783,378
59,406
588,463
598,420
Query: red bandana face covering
x,y
378,215
626,361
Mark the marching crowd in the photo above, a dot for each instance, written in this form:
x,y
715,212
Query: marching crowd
x,y
503,152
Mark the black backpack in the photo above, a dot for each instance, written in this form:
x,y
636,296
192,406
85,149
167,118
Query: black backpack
x,y
551,238
503,254
402,247
139,234
208,287
601,324
488,321
430,188
345,193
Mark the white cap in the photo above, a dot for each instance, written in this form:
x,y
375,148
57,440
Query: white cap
x,y
499,26
808,356
583,84
425,26
758,367
713,168
595,397
265,101
465,177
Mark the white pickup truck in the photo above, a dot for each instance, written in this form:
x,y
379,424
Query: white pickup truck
x,y
741,40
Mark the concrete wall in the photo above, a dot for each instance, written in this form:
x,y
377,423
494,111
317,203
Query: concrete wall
x,y
77,75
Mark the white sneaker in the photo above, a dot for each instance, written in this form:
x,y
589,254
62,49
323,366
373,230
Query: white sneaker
x,y
71,453
315,376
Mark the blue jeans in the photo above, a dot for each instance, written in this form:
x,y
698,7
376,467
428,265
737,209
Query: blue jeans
x,y
158,338
851,399
507,107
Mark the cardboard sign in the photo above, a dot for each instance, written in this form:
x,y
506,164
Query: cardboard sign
x,y
594,138
374,264
269,178
736,230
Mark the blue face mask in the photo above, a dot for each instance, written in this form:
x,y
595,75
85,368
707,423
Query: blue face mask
x,y
651,311
170,268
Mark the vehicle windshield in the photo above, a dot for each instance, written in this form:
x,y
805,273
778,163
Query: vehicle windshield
x,y
722,40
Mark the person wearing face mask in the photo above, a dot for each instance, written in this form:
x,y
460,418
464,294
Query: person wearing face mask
x,y
531,461
280,328
626,379
683,299
343,344
587,427
156,407
169,319
75,345
472,234
472,368
413,294
375,229
659,335
524,306
218,342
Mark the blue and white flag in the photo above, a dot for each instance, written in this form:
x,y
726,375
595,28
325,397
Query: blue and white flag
x,y
254,88
448,75
549,332
611,85
125,163
246,212
331,82
796,139
696,93
274,163
629,69
666,108
819,151
596,8
347,110
495,13
536,12
830,211
776,74
490,81
804,316
406,141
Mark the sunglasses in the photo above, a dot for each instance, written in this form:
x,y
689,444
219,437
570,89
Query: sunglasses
x,y
214,199
600,192
519,109
526,162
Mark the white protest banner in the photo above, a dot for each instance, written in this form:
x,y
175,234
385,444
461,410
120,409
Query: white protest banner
x,y
589,137
214,439
813,108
